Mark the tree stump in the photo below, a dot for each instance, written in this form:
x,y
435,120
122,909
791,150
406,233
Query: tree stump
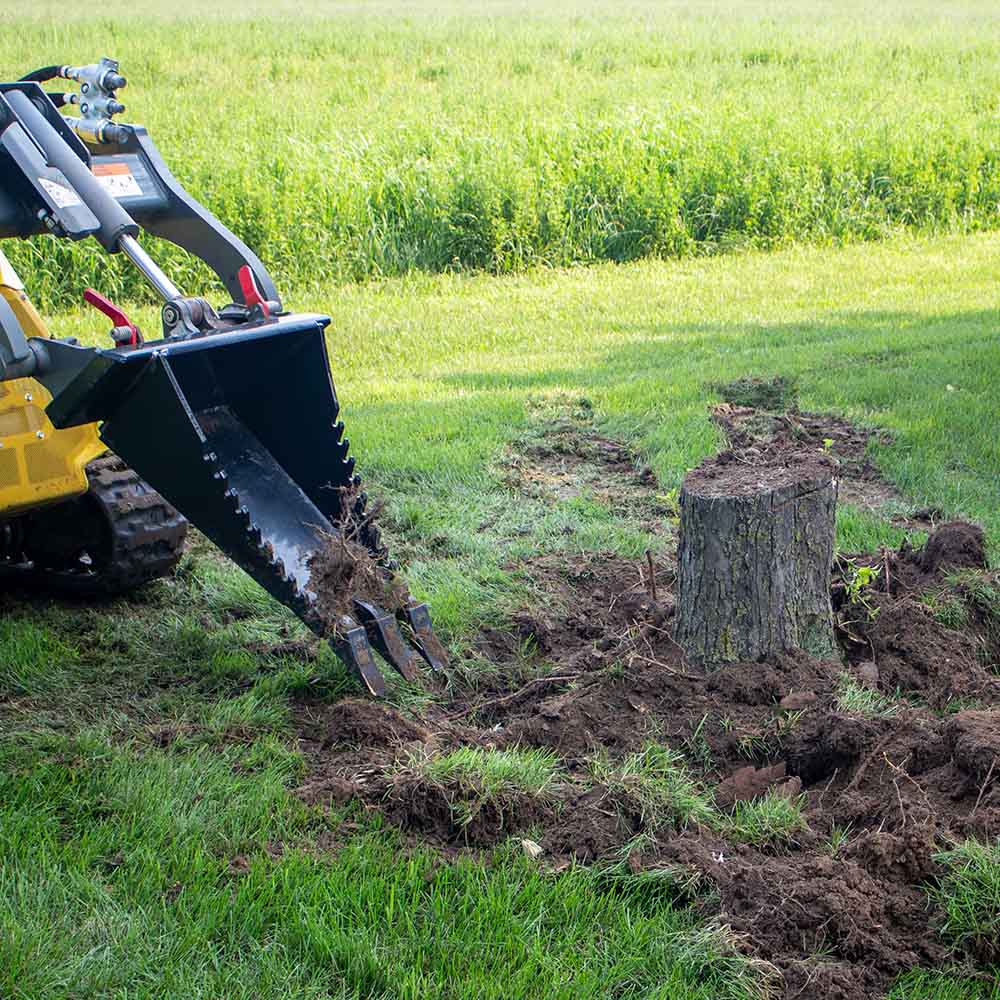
x,y
756,549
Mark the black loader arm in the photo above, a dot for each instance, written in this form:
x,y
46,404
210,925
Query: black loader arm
x,y
130,170
158,202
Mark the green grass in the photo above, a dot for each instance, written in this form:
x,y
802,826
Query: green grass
x,y
969,894
370,142
768,821
947,608
858,699
493,774
946,985
656,784
31,658
864,531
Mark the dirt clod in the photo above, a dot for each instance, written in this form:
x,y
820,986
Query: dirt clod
x,y
348,567
746,783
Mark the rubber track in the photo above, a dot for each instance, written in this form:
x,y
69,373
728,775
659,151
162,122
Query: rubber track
x,y
147,534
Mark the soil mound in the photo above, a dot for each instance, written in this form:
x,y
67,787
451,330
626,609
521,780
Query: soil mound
x,y
883,754
958,545
355,722
459,816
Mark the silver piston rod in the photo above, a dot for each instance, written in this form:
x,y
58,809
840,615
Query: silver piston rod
x,y
151,271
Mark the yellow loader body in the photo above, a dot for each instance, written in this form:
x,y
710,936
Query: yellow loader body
x,y
39,465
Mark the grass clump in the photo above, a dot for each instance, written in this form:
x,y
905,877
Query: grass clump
x,y
947,608
840,837
656,782
676,884
767,821
474,782
492,774
858,699
969,895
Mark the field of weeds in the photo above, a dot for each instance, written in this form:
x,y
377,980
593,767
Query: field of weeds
x,y
353,142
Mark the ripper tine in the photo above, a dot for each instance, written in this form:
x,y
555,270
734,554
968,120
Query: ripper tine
x,y
353,648
429,645
387,639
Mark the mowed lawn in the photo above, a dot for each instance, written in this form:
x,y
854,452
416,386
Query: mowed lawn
x,y
133,869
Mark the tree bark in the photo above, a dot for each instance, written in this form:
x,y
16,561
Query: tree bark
x,y
756,549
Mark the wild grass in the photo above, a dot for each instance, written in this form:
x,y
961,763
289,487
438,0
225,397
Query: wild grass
x,y
770,820
354,144
657,784
969,895
859,699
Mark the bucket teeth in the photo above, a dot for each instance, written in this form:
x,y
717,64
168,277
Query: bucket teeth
x,y
430,646
353,648
387,639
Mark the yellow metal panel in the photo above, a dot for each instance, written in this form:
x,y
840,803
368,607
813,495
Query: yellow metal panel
x,y
38,464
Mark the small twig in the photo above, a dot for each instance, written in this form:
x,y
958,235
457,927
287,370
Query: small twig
x,y
899,798
986,781
902,772
885,564
859,773
656,663
496,702
651,581
833,777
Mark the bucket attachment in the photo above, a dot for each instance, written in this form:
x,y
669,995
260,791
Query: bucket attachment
x,y
240,432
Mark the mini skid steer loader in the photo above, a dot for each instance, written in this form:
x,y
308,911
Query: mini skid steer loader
x,y
229,420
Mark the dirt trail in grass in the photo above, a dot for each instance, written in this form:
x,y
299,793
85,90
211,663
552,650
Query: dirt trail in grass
x,y
813,795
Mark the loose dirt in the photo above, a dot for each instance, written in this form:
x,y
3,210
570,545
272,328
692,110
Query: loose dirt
x,y
840,906
349,566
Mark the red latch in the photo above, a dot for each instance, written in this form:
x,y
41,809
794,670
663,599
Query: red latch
x,y
118,318
251,293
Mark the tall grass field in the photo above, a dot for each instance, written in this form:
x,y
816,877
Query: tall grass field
x,y
357,141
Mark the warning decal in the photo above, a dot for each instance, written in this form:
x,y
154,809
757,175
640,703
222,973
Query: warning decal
x,y
117,180
62,196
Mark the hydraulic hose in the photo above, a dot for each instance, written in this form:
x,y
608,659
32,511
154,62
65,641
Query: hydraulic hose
x,y
115,221
42,75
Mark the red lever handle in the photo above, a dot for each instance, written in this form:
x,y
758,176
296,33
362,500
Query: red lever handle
x,y
118,318
251,293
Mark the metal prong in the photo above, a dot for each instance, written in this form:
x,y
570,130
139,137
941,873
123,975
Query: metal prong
x,y
387,639
353,648
425,640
